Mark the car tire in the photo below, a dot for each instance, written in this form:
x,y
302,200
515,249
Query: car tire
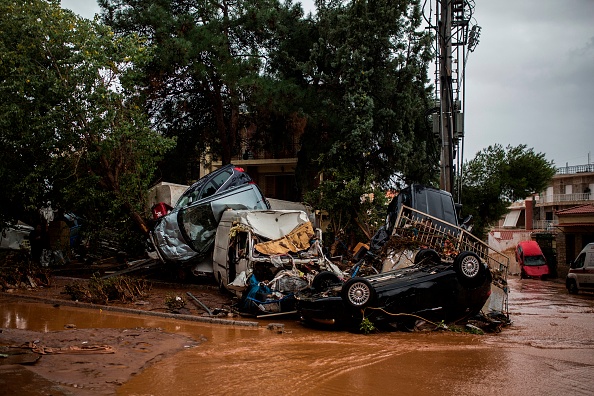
x,y
427,256
324,280
470,268
358,293
572,287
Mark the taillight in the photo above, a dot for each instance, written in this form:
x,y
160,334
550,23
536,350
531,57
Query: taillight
x,y
237,168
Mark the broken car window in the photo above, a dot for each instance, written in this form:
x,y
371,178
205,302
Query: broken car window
x,y
199,225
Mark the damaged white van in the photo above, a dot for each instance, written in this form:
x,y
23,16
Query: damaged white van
x,y
265,256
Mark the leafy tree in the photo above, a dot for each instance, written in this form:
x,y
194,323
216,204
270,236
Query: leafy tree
x,y
369,71
208,76
71,123
498,176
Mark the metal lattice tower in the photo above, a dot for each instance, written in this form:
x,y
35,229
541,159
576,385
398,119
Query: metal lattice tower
x,y
455,37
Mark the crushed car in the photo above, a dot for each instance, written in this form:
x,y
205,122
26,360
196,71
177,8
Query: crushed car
x,y
185,235
424,266
266,256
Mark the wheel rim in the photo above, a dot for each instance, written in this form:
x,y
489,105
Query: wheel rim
x,y
470,266
359,294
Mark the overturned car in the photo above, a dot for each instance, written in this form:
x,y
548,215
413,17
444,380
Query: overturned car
x,y
430,290
428,268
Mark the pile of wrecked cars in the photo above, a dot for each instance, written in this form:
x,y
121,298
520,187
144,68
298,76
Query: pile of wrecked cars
x,y
229,232
421,264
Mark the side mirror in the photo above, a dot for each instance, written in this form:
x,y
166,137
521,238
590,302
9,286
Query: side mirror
x,y
465,222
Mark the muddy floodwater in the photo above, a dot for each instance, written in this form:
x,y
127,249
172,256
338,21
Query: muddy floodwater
x,y
548,350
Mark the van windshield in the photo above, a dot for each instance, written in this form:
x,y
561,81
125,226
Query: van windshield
x,y
534,260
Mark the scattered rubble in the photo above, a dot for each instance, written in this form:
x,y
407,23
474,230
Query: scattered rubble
x,y
100,291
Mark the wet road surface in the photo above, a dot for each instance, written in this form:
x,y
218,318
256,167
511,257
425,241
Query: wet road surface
x,y
548,350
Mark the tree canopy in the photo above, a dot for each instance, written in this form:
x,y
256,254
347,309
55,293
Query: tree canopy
x,y
369,72
210,73
498,176
71,124
89,108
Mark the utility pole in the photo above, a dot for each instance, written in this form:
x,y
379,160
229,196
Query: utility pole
x,y
453,33
446,179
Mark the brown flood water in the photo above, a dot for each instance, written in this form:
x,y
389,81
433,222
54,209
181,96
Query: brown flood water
x,y
548,350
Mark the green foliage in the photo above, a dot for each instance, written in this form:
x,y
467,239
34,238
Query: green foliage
x,y
496,177
355,210
72,120
367,326
369,74
88,111
208,70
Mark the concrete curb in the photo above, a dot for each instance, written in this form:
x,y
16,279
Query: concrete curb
x,y
131,311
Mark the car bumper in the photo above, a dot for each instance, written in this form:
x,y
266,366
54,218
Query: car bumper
x,y
536,272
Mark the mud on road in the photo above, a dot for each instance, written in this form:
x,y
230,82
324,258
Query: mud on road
x,y
551,335
95,361
80,361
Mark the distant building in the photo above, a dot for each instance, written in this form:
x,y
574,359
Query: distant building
x,y
272,167
561,218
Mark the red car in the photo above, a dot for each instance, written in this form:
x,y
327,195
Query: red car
x,y
533,263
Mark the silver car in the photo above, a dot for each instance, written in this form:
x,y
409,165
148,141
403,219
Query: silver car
x,y
186,234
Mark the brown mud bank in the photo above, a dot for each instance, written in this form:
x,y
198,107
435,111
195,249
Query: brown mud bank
x,y
80,361
96,361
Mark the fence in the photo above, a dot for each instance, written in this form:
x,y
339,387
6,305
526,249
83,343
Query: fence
x,y
449,240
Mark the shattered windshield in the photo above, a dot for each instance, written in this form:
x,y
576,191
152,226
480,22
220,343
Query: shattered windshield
x,y
198,225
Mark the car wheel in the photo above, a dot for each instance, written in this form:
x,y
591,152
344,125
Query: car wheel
x,y
470,268
358,293
572,287
427,256
324,280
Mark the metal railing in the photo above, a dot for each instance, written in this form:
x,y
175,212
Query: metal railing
x,y
288,151
447,239
545,224
565,198
567,170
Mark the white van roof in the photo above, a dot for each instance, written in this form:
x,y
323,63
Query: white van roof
x,y
588,248
269,224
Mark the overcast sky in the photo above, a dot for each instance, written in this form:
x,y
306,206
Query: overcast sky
x,y
529,81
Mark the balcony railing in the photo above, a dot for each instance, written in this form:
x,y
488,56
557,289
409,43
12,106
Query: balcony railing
x,y
564,198
545,224
290,151
568,170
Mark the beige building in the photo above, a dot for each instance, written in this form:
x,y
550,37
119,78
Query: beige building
x,y
565,208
